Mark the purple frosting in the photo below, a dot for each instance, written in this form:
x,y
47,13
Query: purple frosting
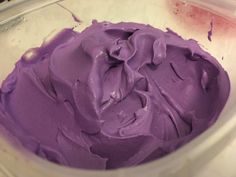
x,y
114,95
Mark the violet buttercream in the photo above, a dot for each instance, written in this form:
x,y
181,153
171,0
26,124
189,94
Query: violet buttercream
x,y
114,95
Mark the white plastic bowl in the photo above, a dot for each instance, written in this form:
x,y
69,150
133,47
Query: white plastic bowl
x,y
31,30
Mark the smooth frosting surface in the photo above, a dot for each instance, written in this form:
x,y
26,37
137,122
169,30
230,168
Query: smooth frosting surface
x,y
114,95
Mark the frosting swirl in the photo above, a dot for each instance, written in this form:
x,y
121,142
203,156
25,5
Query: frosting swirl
x,y
114,95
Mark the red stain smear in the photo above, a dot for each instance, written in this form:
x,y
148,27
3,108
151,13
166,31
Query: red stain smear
x,y
200,19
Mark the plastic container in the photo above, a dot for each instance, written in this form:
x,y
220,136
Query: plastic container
x,y
225,8
22,33
13,9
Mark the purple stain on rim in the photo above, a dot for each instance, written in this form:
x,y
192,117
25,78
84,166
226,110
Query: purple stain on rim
x,y
210,32
75,18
